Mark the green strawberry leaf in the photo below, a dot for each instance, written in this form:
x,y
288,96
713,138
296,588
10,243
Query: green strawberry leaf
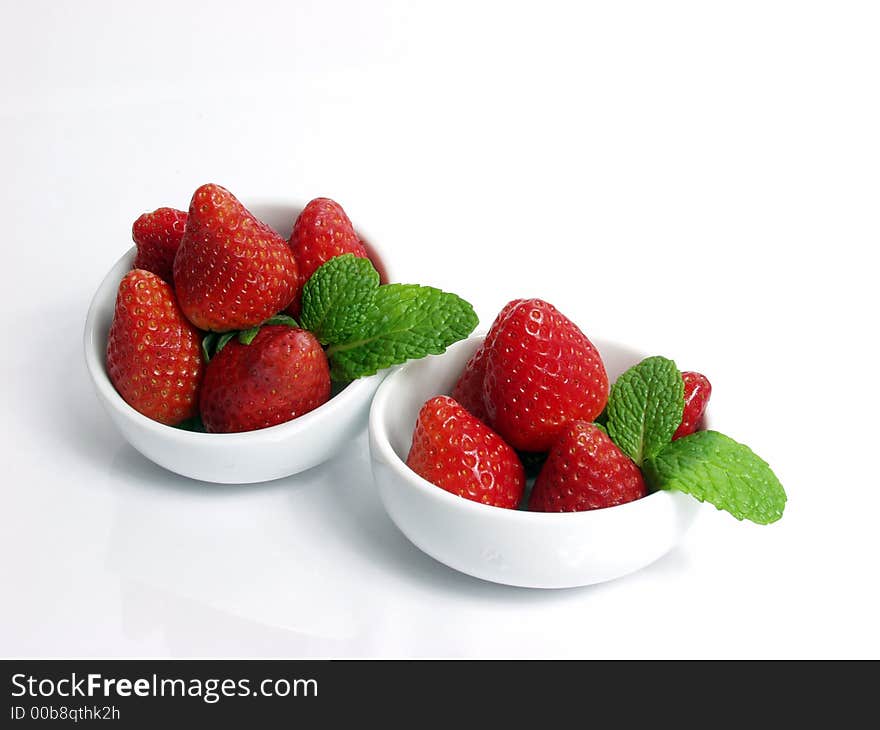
x,y
281,319
222,341
532,462
213,342
337,297
404,322
245,337
645,407
209,342
714,468
192,424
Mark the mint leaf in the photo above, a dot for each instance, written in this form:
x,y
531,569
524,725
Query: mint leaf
x,y
369,327
645,407
404,322
337,297
714,468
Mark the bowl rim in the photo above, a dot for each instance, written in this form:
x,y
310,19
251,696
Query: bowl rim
x,y
379,439
105,296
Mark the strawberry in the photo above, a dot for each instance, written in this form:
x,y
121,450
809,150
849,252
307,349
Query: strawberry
x,y
283,373
153,353
231,271
321,232
469,389
585,470
541,373
157,236
697,390
459,453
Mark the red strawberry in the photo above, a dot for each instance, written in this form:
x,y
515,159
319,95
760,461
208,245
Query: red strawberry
x,y
469,389
585,470
283,373
321,232
153,352
697,390
157,236
231,271
457,452
541,373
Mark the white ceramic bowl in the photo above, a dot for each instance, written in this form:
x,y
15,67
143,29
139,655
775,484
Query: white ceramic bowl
x,y
233,458
529,549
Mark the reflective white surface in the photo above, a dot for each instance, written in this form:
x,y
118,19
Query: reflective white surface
x,y
699,180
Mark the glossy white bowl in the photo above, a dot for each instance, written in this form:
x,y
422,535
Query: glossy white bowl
x,y
233,458
519,548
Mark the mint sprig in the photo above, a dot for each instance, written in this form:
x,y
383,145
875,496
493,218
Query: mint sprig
x,y
368,327
714,468
405,322
336,299
645,407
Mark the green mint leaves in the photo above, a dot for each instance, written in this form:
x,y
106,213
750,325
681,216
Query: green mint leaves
x,y
714,468
336,299
645,407
364,326
405,321
369,327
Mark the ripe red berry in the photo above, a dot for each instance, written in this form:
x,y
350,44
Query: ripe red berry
x,y
697,390
542,373
468,391
153,353
459,453
231,271
157,236
282,374
585,470
321,232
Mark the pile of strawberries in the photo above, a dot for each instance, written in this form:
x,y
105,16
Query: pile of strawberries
x,y
217,269
532,393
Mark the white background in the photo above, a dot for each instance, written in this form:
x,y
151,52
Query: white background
x,y
700,180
